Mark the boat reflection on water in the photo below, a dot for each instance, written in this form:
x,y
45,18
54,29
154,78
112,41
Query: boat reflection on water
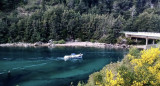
x,y
73,56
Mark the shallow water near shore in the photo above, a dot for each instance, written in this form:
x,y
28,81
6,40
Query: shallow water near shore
x,y
46,66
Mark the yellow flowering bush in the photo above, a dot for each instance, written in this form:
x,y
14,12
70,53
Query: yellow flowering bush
x,y
145,70
110,81
137,83
149,56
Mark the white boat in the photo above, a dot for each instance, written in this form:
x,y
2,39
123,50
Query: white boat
x,y
73,56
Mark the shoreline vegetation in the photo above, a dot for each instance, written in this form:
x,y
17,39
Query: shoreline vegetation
x,y
67,44
137,68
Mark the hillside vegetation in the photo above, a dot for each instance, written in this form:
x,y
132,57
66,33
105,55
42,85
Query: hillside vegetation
x,y
101,20
136,69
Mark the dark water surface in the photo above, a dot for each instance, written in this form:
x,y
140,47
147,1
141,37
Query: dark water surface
x,y
46,67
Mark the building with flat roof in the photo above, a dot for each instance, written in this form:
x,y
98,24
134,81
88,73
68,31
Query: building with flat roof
x,y
146,35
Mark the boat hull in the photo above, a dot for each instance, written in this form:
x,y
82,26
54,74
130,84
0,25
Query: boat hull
x,y
77,56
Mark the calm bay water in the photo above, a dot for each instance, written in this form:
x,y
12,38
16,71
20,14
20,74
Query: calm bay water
x,y
46,67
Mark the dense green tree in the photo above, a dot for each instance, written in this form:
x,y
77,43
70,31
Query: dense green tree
x,y
148,22
101,20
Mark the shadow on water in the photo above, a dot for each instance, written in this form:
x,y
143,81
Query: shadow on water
x,y
46,67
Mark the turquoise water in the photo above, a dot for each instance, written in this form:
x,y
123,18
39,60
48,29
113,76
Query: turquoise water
x,y
46,66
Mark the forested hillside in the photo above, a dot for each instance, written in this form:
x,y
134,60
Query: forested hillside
x,y
101,20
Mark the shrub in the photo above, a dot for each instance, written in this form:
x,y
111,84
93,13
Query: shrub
x,y
127,74
147,67
92,40
55,42
158,44
80,83
103,40
129,41
59,42
110,81
133,53
98,78
108,39
145,71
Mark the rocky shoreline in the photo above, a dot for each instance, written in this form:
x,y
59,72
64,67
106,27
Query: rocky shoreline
x,y
68,44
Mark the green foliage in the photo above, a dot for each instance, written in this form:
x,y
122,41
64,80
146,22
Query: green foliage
x,y
103,39
139,71
102,20
134,52
59,42
98,77
8,5
92,40
129,41
127,75
80,83
55,42
147,22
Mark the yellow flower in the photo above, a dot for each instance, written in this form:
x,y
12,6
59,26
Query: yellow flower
x,y
147,67
110,81
135,83
146,70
